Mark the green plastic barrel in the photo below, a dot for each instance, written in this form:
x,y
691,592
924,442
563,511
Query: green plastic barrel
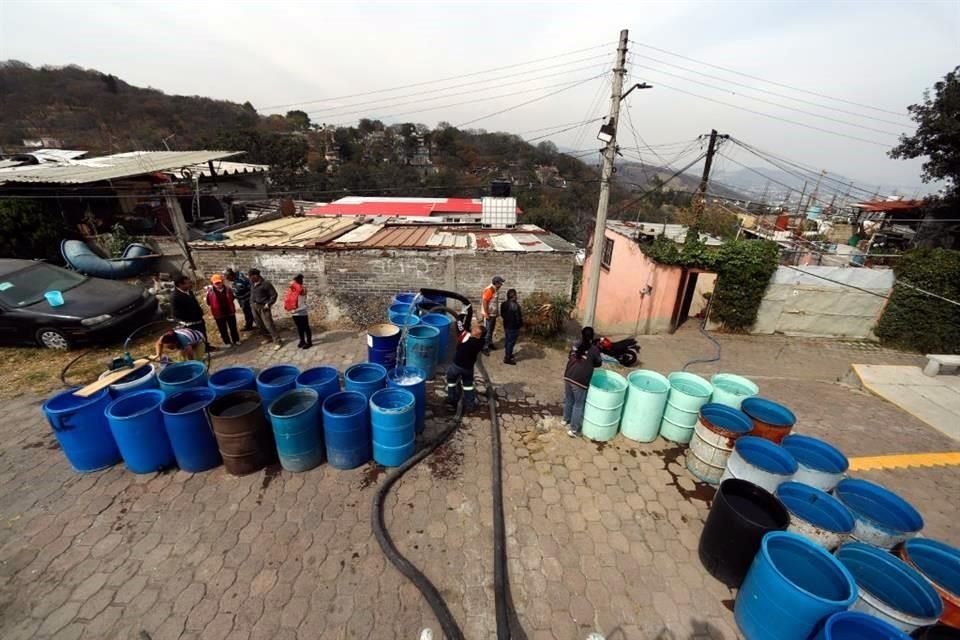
x,y
646,398
731,390
688,392
605,399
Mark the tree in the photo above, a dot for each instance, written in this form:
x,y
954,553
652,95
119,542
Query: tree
x,y
29,232
937,137
299,119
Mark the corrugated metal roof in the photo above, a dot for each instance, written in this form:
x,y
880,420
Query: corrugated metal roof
x,y
121,165
400,207
283,232
221,168
675,232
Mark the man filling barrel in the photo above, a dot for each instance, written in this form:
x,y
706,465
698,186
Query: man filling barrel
x,y
460,372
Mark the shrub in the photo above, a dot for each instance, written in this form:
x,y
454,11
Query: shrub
x,y
544,315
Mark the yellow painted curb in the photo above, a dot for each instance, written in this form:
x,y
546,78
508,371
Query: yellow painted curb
x,y
905,460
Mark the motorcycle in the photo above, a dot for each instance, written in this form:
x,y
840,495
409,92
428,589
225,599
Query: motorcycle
x,y
626,351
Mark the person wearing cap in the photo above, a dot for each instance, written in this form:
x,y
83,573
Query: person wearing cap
x,y
489,310
241,292
220,299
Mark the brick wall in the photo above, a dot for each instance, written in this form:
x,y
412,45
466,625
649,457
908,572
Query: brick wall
x,y
358,284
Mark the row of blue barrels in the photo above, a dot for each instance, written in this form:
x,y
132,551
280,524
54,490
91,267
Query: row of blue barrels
x,y
426,345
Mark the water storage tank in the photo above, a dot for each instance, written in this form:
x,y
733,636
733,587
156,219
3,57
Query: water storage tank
x,y
421,348
853,625
816,515
821,464
717,430
646,398
295,417
230,379
688,392
732,390
81,428
324,380
393,424
275,381
382,342
883,518
243,434
770,420
189,430
760,462
365,378
605,399
137,426
346,429
939,563
413,380
182,375
444,325
142,378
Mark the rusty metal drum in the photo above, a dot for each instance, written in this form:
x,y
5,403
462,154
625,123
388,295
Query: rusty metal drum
x,y
242,432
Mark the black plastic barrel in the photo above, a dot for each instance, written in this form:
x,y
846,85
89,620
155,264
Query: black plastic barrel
x,y
741,514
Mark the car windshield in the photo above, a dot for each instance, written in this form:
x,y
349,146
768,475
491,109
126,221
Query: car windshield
x,y
27,286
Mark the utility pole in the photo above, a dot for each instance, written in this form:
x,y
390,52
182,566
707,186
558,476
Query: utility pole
x,y
609,154
699,202
816,189
800,203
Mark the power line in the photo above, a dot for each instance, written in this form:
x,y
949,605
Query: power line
x,y
896,282
523,104
773,82
429,82
553,133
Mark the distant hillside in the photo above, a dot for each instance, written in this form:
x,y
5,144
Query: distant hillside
x,y
86,109
640,177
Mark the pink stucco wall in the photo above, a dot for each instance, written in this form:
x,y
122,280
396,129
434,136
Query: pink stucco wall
x,y
621,308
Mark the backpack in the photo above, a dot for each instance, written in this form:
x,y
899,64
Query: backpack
x,y
292,300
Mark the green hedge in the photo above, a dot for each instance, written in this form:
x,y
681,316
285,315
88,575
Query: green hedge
x,y
913,320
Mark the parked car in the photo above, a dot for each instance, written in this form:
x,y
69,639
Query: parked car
x,y
93,309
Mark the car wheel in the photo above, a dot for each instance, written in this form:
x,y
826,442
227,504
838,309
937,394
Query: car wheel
x,y
53,339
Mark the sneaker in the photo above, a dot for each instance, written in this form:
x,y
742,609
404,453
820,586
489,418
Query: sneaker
x,y
308,345
573,434
301,346
510,361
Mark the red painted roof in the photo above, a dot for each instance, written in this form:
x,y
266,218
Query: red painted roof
x,y
890,205
414,207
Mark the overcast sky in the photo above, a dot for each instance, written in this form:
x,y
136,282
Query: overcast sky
x,y
879,54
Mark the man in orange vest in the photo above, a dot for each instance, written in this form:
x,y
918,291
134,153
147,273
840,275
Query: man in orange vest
x,y
489,310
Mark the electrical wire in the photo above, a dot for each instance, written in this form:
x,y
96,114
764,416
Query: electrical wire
x,y
553,133
525,103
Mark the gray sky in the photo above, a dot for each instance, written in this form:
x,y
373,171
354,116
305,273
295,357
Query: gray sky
x,y
880,54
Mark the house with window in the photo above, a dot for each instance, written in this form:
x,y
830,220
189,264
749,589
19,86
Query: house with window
x,y
638,295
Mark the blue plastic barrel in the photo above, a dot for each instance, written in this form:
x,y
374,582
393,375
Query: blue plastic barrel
x,y
404,297
188,428
382,342
137,426
429,302
761,462
275,381
365,378
815,514
393,424
399,309
232,379
346,429
324,380
443,324
883,518
404,321
771,420
853,625
889,588
295,417
142,378
821,464
81,428
421,348
180,376
939,563
793,585
413,380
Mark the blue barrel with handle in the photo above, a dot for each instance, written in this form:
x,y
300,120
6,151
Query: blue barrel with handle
x,y
188,428
365,378
232,379
275,381
137,426
443,324
382,342
346,429
81,428
421,348
182,375
393,422
792,586
413,380
853,625
295,417
324,380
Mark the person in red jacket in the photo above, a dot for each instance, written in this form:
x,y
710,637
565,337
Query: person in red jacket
x,y
221,302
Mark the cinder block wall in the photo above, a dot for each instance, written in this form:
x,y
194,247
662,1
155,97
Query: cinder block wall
x,y
358,284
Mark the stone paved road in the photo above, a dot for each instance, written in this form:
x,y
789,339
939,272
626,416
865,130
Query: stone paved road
x,y
600,537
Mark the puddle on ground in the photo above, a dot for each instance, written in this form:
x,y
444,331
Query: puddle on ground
x,y
701,490
270,473
371,474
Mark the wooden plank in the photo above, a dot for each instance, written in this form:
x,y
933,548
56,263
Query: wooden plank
x,y
106,381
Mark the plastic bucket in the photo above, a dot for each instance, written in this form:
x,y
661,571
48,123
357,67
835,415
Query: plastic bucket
x,y
142,378
770,420
443,323
421,347
81,428
688,391
180,376
853,625
939,563
889,588
231,379
792,585
731,390
815,514
604,405
714,436
137,426
365,378
275,381
883,518
242,432
820,464
740,515
413,380
346,429
188,427
643,409
54,298
761,462
295,418
382,342
393,424
324,380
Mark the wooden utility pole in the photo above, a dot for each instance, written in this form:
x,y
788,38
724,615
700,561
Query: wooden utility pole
x,y
699,201
816,190
180,228
800,203
609,154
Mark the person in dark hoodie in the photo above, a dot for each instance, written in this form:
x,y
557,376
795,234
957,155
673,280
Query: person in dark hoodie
x,y
470,343
584,358
512,323
186,310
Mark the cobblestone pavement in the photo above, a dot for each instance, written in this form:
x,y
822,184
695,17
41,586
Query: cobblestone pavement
x,y
600,537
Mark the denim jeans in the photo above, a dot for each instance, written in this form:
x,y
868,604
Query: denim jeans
x,y
457,377
491,325
574,399
510,341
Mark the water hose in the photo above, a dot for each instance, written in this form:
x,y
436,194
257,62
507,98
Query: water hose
x,y
126,346
703,331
